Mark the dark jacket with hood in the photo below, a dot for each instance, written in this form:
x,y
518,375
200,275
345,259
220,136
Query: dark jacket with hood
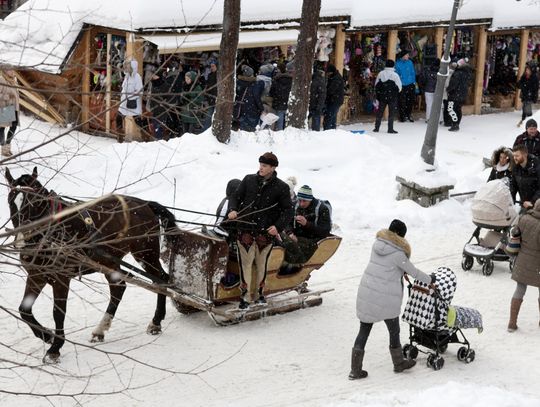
x,y
211,88
248,102
317,227
335,90
280,90
265,202
501,171
458,87
317,93
526,180
192,100
532,143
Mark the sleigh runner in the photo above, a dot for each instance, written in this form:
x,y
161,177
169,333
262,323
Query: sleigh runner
x,y
200,265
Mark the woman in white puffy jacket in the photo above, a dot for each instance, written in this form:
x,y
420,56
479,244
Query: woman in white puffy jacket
x,y
130,98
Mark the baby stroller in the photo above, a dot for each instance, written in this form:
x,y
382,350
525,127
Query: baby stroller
x,y
434,323
492,209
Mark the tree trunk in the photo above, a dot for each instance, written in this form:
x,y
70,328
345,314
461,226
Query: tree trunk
x,y
299,98
221,126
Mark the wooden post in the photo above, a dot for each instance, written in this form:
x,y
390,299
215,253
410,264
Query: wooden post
x,y
85,99
522,62
108,86
392,43
480,68
391,54
340,48
439,35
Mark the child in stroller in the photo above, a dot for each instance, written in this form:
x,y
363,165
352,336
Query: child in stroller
x,y
434,323
492,209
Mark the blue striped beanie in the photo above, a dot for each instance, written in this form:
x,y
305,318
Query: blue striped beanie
x,y
305,193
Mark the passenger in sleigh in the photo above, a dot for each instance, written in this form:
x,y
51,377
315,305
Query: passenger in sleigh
x,y
311,223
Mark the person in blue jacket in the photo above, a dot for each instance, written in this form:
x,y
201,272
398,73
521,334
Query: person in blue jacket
x,y
407,74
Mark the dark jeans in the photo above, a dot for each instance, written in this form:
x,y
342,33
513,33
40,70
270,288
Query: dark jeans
x,y
11,131
406,101
316,122
391,113
527,110
365,329
454,112
446,117
330,116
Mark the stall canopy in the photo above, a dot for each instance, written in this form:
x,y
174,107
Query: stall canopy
x,y
170,44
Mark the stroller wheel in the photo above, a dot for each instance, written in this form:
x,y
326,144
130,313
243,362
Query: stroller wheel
x,y
465,355
487,268
480,260
435,362
410,352
467,262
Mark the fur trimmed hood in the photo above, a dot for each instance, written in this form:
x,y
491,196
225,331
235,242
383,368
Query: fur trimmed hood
x,y
497,154
394,240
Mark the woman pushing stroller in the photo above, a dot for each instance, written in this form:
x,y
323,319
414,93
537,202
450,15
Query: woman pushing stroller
x,y
380,294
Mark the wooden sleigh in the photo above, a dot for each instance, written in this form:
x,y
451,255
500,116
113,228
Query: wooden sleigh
x,y
200,271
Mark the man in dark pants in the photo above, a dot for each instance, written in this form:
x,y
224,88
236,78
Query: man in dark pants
x,y
312,222
525,177
335,95
262,203
407,75
387,88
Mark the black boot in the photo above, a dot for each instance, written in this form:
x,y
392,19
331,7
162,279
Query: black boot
x,y
243,303
357,359
392,131
376,130
261,299
454,127
400,364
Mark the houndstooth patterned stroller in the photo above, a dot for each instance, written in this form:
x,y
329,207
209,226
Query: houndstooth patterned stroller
x,y
434,323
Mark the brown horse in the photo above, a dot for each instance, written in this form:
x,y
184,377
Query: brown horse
x,y
93,238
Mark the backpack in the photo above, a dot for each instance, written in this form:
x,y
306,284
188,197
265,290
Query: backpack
x,y
326,203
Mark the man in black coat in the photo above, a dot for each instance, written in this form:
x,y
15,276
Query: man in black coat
x,y
211,93
248,105
525,177
528,86
279,92
457,90
335,95
317,97
312,222
263,205
530,138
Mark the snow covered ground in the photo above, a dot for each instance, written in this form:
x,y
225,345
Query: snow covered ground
x,y
301,358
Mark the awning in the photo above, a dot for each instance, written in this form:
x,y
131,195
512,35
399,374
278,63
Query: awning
x,y
171,44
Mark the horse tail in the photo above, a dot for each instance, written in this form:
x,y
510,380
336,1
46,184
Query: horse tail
x,y
167,220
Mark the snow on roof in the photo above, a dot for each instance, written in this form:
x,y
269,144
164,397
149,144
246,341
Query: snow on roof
x,y
524,13
41,33
391,12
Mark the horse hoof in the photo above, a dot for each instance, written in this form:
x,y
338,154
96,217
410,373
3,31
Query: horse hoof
x,y
153,329
97,338
51,358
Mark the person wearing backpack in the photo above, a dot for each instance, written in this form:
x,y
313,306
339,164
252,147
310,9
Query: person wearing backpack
x,y
387,88
312,222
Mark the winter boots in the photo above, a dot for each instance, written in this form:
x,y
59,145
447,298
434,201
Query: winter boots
x,y
454,127
515,305
357,359
400,364
6,150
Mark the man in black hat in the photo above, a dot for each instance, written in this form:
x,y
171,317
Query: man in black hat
x,y
530,138
262,205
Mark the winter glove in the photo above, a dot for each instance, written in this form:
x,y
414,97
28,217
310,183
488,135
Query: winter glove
x,y
433,278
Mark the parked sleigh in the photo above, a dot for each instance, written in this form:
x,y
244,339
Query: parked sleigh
x,y
204,277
